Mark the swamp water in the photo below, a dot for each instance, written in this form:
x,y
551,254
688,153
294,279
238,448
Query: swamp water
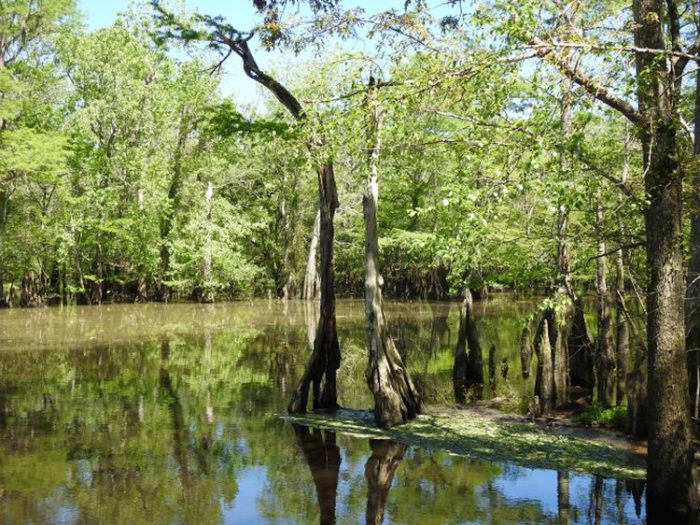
x,y
170,414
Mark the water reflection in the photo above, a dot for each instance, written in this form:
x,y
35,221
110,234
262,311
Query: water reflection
x,y
177,422
379,473
323,457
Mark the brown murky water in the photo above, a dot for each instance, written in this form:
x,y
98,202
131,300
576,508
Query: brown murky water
x,y
170,414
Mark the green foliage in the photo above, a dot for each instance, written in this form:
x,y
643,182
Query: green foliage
x,y
595,415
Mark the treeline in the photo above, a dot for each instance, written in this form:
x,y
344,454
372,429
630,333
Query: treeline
x,y
126,176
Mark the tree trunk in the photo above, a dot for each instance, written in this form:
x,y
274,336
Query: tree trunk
x,y
396,399
544,382
325,359
605,360
311,280
379,473
207,284
492,369
692,303
560,357
525,352
669,456
30,295
323,457
622,336
468,371
475,361
4,210
98,271
580,349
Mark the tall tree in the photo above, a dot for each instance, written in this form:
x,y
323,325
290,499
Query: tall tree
x,y
325,359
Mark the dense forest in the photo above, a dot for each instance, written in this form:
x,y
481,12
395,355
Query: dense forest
x,y
465,148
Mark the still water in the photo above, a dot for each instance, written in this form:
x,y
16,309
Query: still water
x,y
169,414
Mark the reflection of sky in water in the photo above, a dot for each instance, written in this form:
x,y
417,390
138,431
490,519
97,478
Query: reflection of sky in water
x,y
528,484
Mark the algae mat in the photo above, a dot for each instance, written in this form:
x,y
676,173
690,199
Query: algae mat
x,y
492,439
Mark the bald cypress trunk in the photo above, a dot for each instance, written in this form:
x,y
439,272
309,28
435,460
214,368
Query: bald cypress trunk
x,y
605,359
544,382
580,348
396,399
311,280
321,370
525,352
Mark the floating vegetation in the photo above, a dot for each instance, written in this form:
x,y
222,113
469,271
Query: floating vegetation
x,y
481,436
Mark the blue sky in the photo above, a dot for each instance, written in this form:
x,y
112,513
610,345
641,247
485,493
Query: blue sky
x,y
102,13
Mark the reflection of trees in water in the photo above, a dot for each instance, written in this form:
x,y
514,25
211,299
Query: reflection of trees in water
x,y
323,457
379,472
111,432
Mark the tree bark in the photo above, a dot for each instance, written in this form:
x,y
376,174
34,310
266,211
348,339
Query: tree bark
x,y
525,352
580,349
669,457
468,370
30,294
311,280
325,359
560,357
544,382
605,366
207,283
379,473
475,361
692,303
396,399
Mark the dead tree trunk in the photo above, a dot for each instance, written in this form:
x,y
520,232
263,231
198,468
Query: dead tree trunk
x,y
605,360
311,280
323,457
396,399
379,473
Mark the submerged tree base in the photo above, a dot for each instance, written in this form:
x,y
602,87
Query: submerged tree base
x,y
487,436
